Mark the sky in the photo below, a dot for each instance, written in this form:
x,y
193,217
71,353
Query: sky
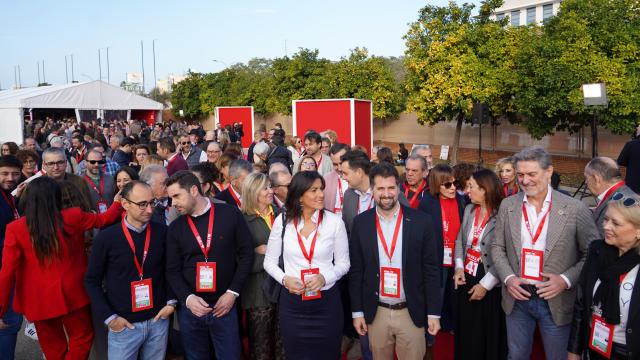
x,y
188,34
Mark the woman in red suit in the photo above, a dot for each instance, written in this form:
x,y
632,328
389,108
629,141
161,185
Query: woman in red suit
x,y
44,258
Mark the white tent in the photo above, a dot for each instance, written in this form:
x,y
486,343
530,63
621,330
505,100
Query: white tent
x,y
94,95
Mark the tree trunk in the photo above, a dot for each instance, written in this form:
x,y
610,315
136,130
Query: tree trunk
x,y
456,139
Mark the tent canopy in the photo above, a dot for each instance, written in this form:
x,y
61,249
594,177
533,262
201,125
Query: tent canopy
x,y
89,95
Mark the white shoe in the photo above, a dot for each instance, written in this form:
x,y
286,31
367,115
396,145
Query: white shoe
x,y
30,331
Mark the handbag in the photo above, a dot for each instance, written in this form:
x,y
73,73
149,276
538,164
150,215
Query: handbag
x,y
270,287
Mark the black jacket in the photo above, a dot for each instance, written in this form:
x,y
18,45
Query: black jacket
x,y
420,267
281,155
226,196
630,157
580,327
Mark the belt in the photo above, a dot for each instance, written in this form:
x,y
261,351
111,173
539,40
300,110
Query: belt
x,y
531,289
398,306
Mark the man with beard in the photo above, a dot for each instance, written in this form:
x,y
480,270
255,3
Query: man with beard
x,y
393,255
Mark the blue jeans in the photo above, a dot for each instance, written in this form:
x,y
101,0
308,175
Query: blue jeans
x,y
196,332
521,324
9,335
148,338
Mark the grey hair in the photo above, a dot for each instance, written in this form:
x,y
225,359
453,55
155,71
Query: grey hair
x,y
146,175
118,138
604,167
534,153
54,151
214,142
238,166
423,161
56,140
261,148
275,176
417,148
278,167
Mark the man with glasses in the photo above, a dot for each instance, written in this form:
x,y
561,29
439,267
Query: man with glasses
x,y
54,163
110,168
100,185
213,152
190,153
126,280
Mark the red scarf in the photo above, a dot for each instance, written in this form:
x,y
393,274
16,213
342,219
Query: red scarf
x,y
450,209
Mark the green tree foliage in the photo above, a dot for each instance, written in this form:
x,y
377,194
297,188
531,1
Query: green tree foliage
x,y
185,96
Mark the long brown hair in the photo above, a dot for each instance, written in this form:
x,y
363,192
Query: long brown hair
x,y
492,186
43,203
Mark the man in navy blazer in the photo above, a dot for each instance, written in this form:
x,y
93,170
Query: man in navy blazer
x,y
394,280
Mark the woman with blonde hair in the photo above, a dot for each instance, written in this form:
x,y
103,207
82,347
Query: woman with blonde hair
x,y
262,319
295,146
506,170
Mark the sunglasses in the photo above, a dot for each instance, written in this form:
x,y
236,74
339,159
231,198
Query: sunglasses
x,y
184,142
93,162
448,184
628,202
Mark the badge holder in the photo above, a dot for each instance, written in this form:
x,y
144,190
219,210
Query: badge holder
x,y
471,262
141,295
447,259
206,276
102,207
309,295
390,282
601,336
531,264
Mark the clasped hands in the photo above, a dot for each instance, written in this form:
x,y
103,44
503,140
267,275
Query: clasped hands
x,y
295,285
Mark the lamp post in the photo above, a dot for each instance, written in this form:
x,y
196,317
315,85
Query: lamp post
x,y
595,96
221,62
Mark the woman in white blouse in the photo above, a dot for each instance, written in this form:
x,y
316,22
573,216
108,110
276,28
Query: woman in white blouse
x,y
481,329
316,256
606,316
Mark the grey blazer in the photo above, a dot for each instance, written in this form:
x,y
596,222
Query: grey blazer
x,y
571,229
350,206
485,241
598,213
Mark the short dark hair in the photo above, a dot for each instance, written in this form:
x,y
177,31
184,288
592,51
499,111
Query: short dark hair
x,y
127,189
384,154
312,135
10,161
167,144
337,147
208,172
127,141
384,170
438,176
357,160
78,137
185,179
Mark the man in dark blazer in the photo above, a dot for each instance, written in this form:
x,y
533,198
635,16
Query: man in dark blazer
x,y
630,157
603,178
238,170
394,279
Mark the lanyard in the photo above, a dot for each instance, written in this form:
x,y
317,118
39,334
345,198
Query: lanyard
x,y
147,240
340,192
233,195
309,255
370,204
507,190
445,224
534,237
319,162
478,230
394,241
93,186
271,220
12,204
205,250
610,192
413,201
79,156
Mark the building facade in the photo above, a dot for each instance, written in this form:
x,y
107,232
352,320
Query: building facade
x,y
526,12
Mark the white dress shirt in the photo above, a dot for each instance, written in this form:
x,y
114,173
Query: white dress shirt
x,y
626,290
488,281
331,254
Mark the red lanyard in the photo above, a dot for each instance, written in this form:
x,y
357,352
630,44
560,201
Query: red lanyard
x,y
205,250
147,240
609,192
340,192
413,202
394,241
478,230
233,195
534,237
12,204
309,255
93,186
272,217
507,190
79,156
319,162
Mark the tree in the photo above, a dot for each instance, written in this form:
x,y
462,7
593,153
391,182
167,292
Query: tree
x,y
185,96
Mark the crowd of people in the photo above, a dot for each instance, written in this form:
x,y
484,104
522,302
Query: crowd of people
x,y
129,241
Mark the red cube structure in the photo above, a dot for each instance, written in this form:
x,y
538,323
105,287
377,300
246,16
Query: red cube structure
x,y
227,115
351,119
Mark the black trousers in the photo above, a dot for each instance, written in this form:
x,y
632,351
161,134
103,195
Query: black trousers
x,y
311,329
480,327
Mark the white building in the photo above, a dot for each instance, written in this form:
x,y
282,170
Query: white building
x,y
525,12
165,85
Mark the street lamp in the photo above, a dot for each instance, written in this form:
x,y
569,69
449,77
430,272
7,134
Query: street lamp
x,y
221,62
595,96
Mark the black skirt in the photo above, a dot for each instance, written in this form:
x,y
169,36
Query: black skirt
x,y
480,327
311,329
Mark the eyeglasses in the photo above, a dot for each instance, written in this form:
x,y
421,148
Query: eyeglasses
x,y
56,163
628,202
184,142
142,205
93,162
448,184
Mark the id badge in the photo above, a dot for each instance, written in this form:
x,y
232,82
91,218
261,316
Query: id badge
x,y
471,262
141,295
601,337
447,259
102,207
309,295
531,264
390,282
206,276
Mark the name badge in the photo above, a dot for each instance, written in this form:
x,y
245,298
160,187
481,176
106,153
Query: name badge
x,y
601,337
206,276
309,295
471,261
531,264
141,295
447,259
102,207
390,282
